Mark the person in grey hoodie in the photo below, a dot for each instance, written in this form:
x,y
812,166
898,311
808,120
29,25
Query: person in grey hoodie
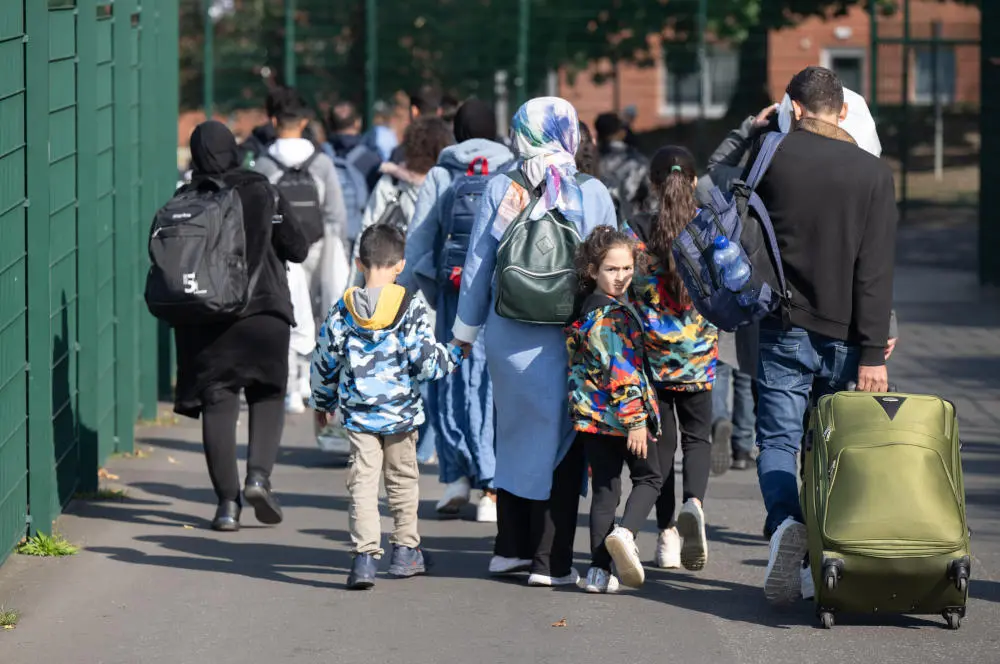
x,y
327,264
460,408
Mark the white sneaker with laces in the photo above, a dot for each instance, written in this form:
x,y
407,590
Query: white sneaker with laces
x,y
544,580
624,551
486,511
783,578
691,527
668,549
500,565
455,496
808,587
600,581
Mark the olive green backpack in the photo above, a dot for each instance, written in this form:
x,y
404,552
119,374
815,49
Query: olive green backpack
x,y
536,275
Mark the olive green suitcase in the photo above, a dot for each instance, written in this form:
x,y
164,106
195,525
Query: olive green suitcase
x,y
884,505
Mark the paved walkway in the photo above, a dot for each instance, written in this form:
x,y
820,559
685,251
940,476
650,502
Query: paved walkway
x,y
155,586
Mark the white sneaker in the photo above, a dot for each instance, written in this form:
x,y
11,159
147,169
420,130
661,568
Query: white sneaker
x,y
294,404
544,580
455,496
486,512
500,565
622,547
668,549
691,527
600,581
808,587
783,578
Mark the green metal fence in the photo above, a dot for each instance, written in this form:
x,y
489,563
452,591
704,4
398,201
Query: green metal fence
x,y
87,152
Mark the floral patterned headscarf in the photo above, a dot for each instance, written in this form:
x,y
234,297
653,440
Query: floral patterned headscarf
x,y
545,134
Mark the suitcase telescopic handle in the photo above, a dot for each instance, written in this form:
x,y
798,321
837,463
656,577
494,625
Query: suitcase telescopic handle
x,y
853,387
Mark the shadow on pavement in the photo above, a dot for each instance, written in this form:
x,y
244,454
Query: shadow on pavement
x,y
303,457
988,591
268,562
206,496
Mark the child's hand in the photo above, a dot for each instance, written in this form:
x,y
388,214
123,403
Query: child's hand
x,y
466,348
323,418
637,442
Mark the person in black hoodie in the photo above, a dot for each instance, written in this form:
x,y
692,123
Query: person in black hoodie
x,y
215,361
833,207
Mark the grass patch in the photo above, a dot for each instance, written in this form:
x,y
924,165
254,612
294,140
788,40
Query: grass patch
x,y
103,494
138,453
46,546
8,618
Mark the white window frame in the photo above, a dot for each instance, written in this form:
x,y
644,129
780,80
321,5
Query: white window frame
x,y
713,109
827,56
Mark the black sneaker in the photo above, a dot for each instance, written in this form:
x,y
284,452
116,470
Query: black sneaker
x,y
265,506
363,571
722,439
406,562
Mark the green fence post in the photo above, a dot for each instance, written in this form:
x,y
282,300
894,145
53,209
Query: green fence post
x,y
87,131
124,259
290,43
989,165
169,96
371,58
41,451
152,171
524,27
208,55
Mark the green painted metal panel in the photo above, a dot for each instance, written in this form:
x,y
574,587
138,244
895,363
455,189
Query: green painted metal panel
x,y
13,293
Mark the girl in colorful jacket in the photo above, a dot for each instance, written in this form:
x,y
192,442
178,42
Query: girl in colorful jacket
x,y
682,349
613,406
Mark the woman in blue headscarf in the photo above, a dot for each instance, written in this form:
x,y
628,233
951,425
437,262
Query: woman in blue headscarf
x,y
539,472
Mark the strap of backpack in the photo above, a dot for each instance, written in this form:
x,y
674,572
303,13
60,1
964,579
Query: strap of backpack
x,y
354,153
304,166
277,162
767,151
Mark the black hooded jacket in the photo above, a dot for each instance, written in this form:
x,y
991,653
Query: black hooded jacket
x,y
214,154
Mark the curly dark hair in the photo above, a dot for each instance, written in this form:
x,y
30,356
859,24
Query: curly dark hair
x,y
592,252
423,142
672,178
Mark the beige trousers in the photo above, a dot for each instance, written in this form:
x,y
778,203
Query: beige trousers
x,y
371,456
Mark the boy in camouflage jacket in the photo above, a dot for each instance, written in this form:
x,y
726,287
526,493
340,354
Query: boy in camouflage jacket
x,y
374,350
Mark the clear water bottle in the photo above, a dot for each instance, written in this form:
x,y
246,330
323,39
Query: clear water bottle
x,y
733,267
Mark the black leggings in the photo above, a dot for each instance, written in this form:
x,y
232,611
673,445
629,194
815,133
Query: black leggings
x,y
218,430
694,415
606,455
543,531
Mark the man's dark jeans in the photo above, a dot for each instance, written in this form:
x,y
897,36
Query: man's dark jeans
x,y
794,366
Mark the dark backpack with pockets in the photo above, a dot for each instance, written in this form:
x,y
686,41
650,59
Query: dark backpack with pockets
x,y
198,252
301,192
393,214
535,272
739,215
459,210
354,188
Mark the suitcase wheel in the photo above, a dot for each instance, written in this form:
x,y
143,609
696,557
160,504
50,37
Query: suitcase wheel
x,y
833,569
954,619
959,573
826,619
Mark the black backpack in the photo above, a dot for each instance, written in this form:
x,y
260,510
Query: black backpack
x,y
198,250
300,191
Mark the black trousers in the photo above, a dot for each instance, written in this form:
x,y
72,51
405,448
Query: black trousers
x,y
218,429
543,530
693,411
606,455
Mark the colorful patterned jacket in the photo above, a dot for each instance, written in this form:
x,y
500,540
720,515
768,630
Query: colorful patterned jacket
x,y
682,347
371,367
609,392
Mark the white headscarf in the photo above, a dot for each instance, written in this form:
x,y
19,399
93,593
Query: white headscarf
x,y
859,123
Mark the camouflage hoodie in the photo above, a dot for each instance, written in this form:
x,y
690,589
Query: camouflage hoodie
x,y
609,389
371,358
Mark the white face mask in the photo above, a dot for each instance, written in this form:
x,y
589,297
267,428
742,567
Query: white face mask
x,y
859,123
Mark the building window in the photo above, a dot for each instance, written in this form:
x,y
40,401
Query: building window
x,y
717,83
849,63
923,84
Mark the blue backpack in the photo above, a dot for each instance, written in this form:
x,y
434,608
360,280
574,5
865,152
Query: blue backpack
x,y
354,187
459,209
740,216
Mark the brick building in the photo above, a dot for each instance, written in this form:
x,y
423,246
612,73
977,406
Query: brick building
x,y
839,42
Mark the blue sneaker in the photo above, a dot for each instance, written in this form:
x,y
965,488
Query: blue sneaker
x,y
406,562
363,571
